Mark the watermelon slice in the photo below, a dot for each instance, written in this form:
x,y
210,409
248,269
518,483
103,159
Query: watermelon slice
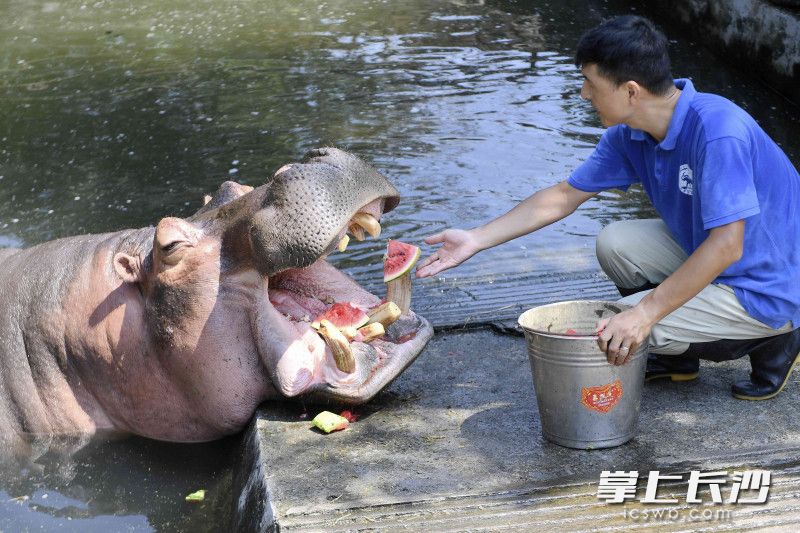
x,y
342,315
400,258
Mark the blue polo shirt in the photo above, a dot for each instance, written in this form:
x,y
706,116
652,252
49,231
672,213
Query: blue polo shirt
x,y
715,166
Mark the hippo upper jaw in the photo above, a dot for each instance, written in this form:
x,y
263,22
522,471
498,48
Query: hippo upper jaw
x,y
307,207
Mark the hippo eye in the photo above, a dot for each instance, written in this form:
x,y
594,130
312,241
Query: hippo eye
x,y
167,248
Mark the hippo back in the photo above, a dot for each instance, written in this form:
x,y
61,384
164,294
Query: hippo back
x,y
6,252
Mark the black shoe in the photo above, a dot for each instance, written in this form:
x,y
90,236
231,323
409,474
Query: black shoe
x,y
772,363
684,367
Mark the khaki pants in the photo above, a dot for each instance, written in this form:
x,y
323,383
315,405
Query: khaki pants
x,y
635,252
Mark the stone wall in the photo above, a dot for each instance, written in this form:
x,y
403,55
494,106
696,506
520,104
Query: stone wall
x,y
764,35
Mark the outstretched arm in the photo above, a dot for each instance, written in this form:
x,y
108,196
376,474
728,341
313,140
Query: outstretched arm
x,y
537,211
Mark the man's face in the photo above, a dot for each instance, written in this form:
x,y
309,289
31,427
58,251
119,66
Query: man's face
x,y
612,103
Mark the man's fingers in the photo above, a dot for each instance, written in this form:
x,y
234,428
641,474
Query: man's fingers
x,y
603,344
631,349
423,271
427,261
602,340
433,265
624,351
430,270
436,238
616,347
613,349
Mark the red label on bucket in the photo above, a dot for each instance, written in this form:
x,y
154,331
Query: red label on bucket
x,y
603,398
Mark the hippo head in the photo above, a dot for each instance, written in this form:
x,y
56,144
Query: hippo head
x,y
231,292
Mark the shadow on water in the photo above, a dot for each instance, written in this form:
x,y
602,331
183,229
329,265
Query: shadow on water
x,y
132,484
115,114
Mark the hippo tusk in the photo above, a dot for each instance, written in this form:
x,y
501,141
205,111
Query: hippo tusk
x,y
343,243
385,314
398,291
349,332
371,331
339,345
364,333
357,231
206,199
369,223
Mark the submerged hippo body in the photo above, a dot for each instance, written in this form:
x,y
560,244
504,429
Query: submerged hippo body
x,y
178,332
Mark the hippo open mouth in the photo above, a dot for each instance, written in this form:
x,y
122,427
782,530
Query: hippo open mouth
x,y
299,295
295,222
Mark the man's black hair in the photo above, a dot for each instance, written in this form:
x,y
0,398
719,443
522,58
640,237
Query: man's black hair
x,y
628,48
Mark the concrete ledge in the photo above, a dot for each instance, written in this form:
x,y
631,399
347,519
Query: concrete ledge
x,y
455,443
754,34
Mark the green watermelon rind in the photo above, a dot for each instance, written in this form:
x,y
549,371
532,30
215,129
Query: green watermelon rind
x,y
406,267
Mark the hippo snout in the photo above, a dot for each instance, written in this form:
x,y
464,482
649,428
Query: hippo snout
x,y
309,203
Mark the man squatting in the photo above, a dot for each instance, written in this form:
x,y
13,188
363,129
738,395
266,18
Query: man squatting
x,y
717,277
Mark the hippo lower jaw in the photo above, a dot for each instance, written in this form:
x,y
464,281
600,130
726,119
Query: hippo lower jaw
x,y
301,361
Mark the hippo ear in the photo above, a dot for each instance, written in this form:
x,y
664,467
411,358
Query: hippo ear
x,y
227,192
128,267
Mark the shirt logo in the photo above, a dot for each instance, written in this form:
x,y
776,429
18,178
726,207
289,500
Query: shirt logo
x,y
686,180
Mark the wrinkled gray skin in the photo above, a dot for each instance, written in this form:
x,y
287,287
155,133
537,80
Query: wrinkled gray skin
x,y
178,332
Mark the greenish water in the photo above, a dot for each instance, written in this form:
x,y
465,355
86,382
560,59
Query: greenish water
x,y
115,114
125,485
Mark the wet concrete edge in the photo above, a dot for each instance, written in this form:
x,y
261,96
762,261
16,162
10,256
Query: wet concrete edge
x,y
253,508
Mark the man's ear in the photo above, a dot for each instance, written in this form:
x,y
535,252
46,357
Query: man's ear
x,y
128,267
634,90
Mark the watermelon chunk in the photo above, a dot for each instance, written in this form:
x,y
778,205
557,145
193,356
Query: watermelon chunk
x,y
400,259
342,315
327,422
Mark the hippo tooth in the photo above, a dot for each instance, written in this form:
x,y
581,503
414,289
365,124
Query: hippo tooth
x,y
357,231
371,331
398,291
385,314
369,223
339,345
343,243
349,332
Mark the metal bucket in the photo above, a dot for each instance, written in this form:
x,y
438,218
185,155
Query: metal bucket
x,y
584,402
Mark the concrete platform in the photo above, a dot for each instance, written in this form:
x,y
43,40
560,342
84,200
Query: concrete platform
x,y
455,444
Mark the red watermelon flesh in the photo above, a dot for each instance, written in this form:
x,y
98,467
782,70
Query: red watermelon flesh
x,y
400,258
343,315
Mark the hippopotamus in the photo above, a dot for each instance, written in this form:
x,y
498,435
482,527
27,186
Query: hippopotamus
x,y
178,332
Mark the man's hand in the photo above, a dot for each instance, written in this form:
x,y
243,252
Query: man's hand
x,y
458,245
629,329
622,334
536,211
